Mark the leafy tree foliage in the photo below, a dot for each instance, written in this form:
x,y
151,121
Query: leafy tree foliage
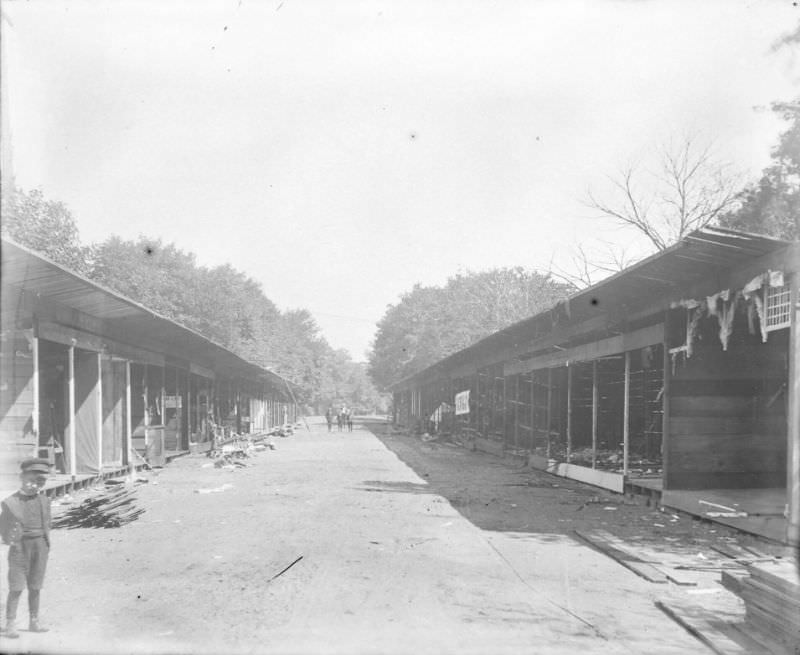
x,y
230,308
220,303
43,225
771,206
345,381
430,323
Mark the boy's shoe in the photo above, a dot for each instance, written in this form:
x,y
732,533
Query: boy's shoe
x,y
35,626
11,630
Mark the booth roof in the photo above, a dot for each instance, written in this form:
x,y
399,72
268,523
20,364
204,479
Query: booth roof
x,y
702,253
33,272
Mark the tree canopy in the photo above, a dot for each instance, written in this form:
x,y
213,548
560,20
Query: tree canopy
x,y
771,206
46,226
221,303
432,322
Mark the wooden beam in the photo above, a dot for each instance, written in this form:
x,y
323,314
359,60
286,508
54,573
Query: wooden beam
x,y
126,450
163,396
793,419
146,418
595,402
505,409
569,412
516,416
35,379
98,390
665,409
477,400
549,407
647,336
626,413
200,370
71,402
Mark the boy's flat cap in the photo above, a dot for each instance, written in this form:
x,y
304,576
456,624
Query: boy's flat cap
x,y
35,465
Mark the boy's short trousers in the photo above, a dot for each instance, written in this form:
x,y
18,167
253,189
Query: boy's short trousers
x,y
27,562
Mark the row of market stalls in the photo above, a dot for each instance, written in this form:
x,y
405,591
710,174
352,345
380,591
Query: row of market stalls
x,y
679,375
95,381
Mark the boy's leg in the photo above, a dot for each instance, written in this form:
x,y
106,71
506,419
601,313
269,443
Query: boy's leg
x,y
11,614
38,565
17,574
33,610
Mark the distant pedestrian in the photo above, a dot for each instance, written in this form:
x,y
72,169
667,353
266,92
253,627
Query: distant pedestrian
x,y
349,421
25,527
339,420
329,418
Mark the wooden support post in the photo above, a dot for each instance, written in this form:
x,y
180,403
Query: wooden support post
x,y
505,411
532,420
549,414
163,397
98,390
126,451
569,412
190,420
626,413
793,419
71,402
146,418
516,413
477,400
665,429
35,381
595,402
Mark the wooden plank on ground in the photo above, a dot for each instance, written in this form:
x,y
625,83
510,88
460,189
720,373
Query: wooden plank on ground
x,y
767,623
732,580
734,551
626,559
765,640
674,575
771,599
680,578
704,625
782,575
755,552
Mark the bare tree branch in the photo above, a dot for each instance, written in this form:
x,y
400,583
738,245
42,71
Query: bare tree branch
x,y
690,190
588,268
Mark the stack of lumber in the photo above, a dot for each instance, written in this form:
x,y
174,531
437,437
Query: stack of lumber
x,y
771,595
109,510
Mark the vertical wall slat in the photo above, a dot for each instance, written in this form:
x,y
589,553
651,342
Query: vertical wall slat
x,y
71,402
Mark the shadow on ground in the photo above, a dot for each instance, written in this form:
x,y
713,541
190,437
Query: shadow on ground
x,y
498,496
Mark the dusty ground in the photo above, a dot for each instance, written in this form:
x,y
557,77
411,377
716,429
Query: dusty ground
x,y
497,495
433,549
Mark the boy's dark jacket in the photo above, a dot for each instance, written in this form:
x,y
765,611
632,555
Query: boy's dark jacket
x,y
11,518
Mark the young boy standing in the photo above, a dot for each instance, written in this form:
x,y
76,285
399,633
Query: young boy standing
x,y
25,527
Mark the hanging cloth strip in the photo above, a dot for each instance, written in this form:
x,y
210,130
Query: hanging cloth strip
x,y
692,320
726,316
753,293
776,278
723,307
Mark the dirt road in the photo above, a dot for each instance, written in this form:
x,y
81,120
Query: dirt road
x,y
395,559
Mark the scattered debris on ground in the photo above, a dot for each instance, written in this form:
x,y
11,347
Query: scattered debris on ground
x,y
108,510
214,490
280,573
231,453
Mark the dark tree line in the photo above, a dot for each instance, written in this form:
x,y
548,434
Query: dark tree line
x,y
430,323
771,206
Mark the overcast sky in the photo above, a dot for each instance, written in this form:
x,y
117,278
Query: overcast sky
x,y
340,152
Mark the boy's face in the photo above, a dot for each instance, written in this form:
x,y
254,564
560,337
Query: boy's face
x,y
32,482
